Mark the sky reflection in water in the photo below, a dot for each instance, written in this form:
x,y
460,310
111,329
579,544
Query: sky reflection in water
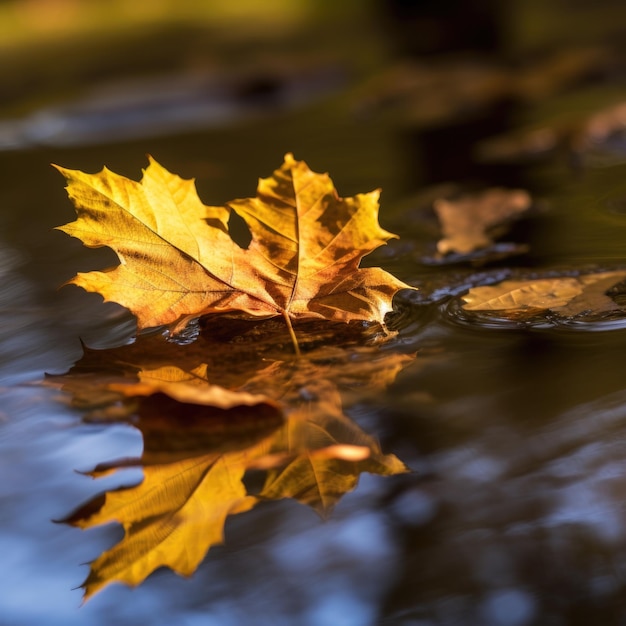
x,y
515,515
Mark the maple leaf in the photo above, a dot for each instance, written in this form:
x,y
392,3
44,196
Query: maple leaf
x,y
178,260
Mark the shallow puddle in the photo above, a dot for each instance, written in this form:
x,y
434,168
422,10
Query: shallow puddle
x,y
514,428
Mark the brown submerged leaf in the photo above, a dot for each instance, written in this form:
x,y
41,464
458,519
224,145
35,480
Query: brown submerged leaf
x,y
248,346
468,222
565,296
178,260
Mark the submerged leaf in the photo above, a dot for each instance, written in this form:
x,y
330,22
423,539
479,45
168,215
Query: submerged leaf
x,y
565,296
468,223
178,260
178,512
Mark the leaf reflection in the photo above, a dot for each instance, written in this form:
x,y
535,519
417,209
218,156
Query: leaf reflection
x,y
279,421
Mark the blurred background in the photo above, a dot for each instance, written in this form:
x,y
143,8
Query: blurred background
x,y
515,515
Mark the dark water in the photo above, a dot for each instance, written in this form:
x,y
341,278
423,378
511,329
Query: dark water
x,y
515,513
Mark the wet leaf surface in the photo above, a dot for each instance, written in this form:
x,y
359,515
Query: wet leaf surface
x,y
584,295
179,261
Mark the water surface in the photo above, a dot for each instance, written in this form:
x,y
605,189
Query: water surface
x,y
514,513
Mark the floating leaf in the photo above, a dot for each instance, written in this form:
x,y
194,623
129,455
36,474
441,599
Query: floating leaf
x,y
178,260
468,223
565,296
433,92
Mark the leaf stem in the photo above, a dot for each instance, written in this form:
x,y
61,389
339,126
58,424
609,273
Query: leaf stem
x,y
292,334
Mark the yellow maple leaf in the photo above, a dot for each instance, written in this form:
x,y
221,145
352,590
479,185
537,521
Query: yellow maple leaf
x,y
178,260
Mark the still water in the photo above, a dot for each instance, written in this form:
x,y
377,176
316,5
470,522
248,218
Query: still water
x,y
514,513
